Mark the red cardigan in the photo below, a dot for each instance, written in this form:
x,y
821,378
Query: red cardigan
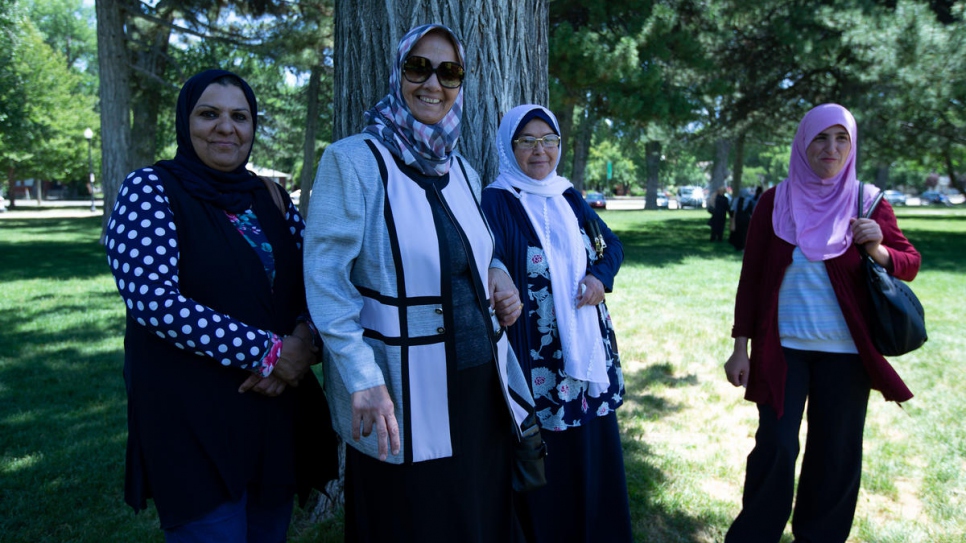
x,y
756,305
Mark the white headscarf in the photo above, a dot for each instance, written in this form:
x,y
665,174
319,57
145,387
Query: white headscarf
x,y
559,233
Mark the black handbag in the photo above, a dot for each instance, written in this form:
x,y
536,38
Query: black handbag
x,y
528,453
898,322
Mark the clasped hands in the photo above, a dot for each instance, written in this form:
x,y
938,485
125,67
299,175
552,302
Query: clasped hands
x,y
297,355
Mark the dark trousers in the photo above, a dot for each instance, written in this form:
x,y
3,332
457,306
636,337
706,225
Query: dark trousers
x,y
837,388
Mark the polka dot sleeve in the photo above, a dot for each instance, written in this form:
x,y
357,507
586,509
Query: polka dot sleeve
x,y
142,251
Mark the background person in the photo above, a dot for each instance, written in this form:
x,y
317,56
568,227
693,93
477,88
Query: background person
x,y
741,211
397,254
719,215
566,341
802,302
211,273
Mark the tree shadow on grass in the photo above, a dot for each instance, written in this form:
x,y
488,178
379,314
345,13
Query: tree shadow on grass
x,y
655,520
44,258
669,241
941,251
62,440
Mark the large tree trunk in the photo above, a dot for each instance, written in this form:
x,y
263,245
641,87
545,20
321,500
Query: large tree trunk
x,y
308,147
115,97
506,50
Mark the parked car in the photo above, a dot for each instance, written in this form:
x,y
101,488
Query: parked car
x,y
894,197
934,197
662,200
691,197
953,195
596,200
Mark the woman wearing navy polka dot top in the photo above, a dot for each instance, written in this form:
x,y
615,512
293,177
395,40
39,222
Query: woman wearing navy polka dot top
x,y
218,343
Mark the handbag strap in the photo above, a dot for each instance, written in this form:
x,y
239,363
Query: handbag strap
x,y
867,214
277,195
875,203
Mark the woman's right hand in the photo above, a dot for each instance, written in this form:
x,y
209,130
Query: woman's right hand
x,y
373,408
738,365
269,386
294,360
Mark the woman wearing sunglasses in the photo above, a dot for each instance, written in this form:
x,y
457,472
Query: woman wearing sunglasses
x,y
398,276
564,258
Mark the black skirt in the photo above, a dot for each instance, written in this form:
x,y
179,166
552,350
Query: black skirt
x,y
585,500
465,498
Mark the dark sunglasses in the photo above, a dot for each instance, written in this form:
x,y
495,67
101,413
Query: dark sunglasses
x,y
418,69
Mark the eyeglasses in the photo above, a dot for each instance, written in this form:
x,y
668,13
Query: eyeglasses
x,y
550,141
418,69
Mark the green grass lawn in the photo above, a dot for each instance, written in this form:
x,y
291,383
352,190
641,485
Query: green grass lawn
x,y
686,431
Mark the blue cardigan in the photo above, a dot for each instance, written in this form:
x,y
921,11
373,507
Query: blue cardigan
x,y
513,233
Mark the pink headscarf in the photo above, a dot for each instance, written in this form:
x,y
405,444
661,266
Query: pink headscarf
x,y
811,212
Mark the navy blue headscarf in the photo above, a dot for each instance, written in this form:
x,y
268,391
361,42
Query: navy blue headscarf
x,y
231,191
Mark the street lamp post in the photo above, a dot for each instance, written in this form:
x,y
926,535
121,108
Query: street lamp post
x,y
89,135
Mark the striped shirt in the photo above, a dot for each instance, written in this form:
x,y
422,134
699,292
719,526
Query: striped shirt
x,y
809,315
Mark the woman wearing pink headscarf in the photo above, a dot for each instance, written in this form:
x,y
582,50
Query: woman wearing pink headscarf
x,y
802,302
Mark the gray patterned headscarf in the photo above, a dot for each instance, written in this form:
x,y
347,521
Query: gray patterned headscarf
x,y
428,148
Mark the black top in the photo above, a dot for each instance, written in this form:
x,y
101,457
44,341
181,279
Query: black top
x,y
194,442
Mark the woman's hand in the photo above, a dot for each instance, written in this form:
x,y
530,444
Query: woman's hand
x,y
295,358
738,365
266,386
504,297
868,234
590,291
372,408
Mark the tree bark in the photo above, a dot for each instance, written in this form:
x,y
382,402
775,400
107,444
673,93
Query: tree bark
x,y
950,168
11,186
739,167
506,62
585,132
149,88
652,182
307,176
652,150
882,175
719,167
566,119
115,98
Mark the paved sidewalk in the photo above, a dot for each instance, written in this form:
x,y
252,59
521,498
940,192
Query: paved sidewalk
x,y
51,209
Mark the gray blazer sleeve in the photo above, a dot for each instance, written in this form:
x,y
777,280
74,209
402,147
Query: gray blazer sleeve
x,y
340,216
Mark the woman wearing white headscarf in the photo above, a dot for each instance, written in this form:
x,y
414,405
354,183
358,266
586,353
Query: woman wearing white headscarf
x,y
397,255
802,302
565,340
